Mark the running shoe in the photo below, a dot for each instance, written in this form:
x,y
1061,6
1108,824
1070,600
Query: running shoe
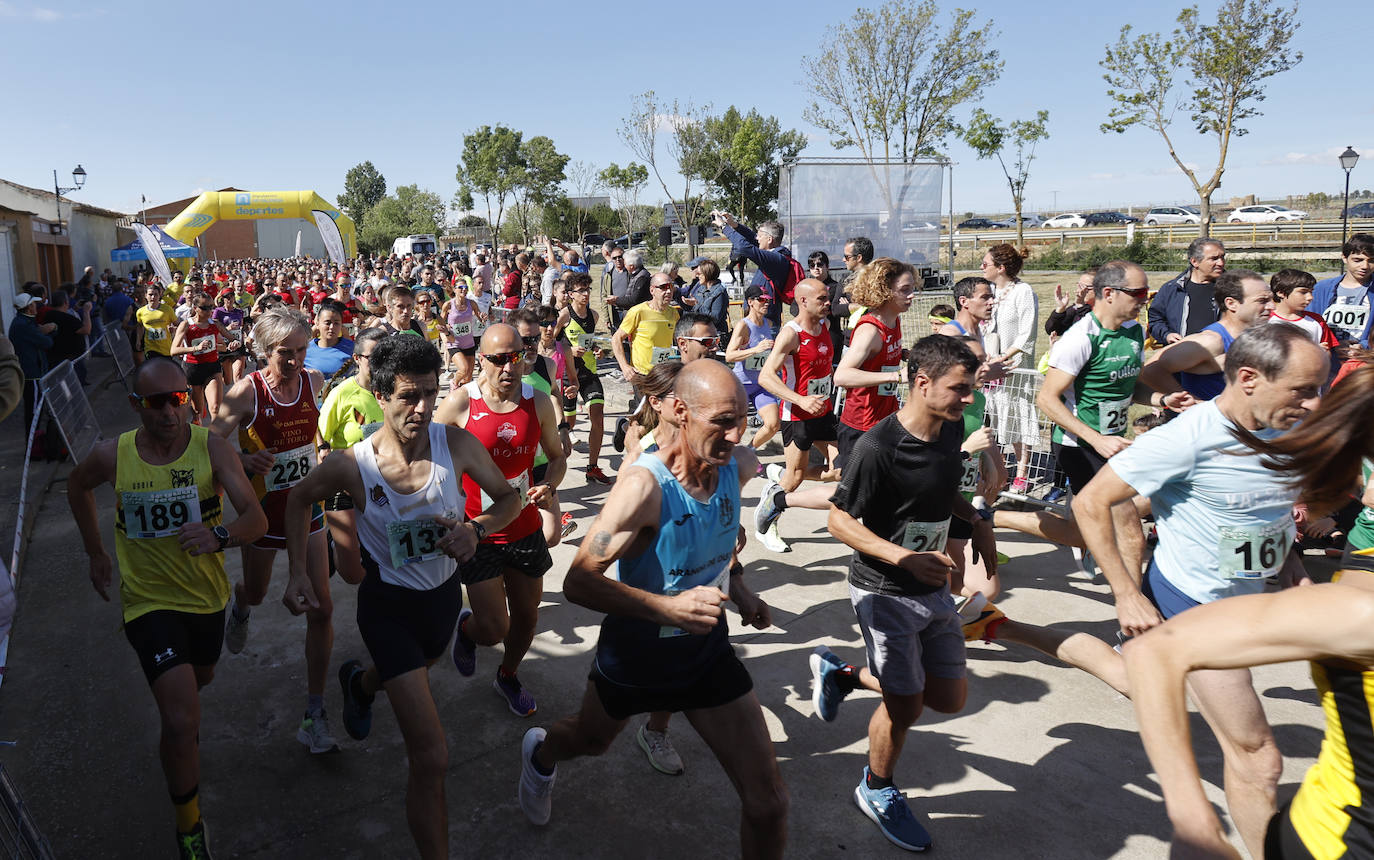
x,y
235,631
622,426
774,472
888,809
536,789
1003,558
1054,495
596,476
660,751
464,649
315,734
768,511
518,699
1020,485
1087,565
771,540
980,619
568,526
357,713
826,692
194,845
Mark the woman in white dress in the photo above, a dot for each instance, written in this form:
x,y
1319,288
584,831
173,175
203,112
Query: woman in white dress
x,y
1010,337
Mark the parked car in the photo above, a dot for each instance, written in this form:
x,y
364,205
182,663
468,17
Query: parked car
x,y
980,224
1173,215
1361,210
1095,218
594,240
1029,220
1066,219
625,242
1264,213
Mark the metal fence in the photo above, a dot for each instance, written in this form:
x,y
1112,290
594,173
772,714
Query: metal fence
x,y
1013,417
20,838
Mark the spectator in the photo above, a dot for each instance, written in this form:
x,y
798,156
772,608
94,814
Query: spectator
x,y
69,338
818,267
709,296
1065,312
637,281
1185,305
31,340
1011,341
547,269
764,249
620,282
858,252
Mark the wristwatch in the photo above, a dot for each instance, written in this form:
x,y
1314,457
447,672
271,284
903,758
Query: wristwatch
x,y
478,529
223,535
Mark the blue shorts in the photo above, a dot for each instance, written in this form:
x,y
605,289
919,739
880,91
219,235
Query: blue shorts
x,y
755,394
1162,593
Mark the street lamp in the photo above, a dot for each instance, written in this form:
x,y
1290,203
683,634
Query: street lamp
x,y
1348,159
79,177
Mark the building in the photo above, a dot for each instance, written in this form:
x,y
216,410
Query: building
x,y
233,239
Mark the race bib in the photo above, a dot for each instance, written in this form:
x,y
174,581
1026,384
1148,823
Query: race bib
x,y
664,353
156,334
205,344
1348,318
159,513
413,541
755,362
479,328
968,479
888,389
289,468
462,329
666,632
823,387
1112,416
925,537
521,486
1256,552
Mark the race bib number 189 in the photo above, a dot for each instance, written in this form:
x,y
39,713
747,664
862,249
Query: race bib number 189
x,y
159,513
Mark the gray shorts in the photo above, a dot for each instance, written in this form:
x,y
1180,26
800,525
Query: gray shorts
x,y
908,637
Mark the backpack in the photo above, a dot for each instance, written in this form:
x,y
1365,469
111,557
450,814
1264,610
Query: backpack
x,y
795,275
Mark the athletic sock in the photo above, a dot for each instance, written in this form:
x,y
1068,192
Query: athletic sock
x,y
502,672
780,499
535,761
240,611
355,685
876,782
187,808
847,679
314,705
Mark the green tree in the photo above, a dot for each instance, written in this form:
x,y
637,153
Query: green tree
x,y
748,147
491,168
889,82
1216,72
409,210
989,138
363,187
683,121
625,184
541,174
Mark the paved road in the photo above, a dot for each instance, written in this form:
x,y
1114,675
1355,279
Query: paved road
x,y
1043,762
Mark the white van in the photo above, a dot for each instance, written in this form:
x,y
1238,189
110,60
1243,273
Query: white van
x,y
421,243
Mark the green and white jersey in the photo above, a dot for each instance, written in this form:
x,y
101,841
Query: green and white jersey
x,y
973,420
1362,533
1104,365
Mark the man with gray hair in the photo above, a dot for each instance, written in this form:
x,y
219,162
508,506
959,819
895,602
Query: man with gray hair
x,y
1185,305
764,248
636,284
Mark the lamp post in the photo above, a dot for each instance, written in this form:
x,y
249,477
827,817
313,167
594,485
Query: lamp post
x,y
79,177
1348,159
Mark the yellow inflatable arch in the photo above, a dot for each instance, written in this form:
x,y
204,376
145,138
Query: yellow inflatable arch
x,y
215,206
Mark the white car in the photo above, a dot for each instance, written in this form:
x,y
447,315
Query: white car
x,y
1059,222
1264,213
1172,215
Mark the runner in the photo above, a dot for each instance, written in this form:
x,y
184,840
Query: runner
x,y
648,327
750,344
664,643
983,476
1195,364
973,298
1225,525
803,353
694,337
400,312
196,340
505,578
274,415
893,507
579,322
1344,301
158,318
545,375
230,317
557,354
169,536
330,352
462,346
412,530
870,369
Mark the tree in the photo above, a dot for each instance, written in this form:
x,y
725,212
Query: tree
x,y
748,146
640,130
625,184
491,168
363,187
988,137
409,210
889,81
584,181
1224,67
540,174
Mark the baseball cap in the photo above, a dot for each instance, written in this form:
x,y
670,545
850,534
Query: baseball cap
x,y
755,292
23,300
696,261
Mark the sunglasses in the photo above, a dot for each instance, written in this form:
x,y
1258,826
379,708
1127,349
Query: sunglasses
x,y
708,342
1141,293
583,290
549,324
617,256
532,340
205,307
501,359
161,399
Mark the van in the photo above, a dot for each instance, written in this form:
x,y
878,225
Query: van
x,y
420,243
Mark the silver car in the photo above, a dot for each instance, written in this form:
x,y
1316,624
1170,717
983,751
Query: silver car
x,y
1172,215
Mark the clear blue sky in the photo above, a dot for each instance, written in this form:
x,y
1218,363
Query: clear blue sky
x,y
170,99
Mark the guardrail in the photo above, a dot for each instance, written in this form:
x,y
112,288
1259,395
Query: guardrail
x,y
1277,231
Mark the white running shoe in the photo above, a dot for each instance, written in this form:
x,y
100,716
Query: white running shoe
x,y
774,472
315,734
536,790
771,540
235,631
660,751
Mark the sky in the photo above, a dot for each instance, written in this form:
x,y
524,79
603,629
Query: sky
x,y
167,100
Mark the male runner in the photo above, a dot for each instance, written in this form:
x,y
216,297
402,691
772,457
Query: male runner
x,y
1194,364
893,507
1225,525
798,372
578,321
505,578
158,317
973,299
273,415
169,538
672,520
405,479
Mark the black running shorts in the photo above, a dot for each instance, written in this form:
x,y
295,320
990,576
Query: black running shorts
x,y
165,638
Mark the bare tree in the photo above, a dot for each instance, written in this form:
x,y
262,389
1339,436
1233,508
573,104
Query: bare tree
x,y
584,181
684,123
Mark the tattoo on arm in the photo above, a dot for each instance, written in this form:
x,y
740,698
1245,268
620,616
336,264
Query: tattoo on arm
x,y
601,542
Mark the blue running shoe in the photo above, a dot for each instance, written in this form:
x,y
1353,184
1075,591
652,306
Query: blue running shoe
x,y
1054,495
826,692
887,807
357,713
464,649
767,512
518,699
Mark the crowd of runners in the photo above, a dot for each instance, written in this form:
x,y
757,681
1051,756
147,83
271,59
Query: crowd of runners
x,y
405,425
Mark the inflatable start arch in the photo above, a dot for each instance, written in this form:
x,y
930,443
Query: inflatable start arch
x,y
215,206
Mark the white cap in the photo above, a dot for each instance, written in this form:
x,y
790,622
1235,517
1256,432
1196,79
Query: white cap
x,y
23,300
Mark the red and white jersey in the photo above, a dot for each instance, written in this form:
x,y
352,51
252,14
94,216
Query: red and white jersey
x,y
809,370
511,438
866,406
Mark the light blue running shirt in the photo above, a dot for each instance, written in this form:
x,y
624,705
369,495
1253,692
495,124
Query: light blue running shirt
x,y
1225,520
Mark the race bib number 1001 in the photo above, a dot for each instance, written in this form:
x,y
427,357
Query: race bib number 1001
x,y
159,513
